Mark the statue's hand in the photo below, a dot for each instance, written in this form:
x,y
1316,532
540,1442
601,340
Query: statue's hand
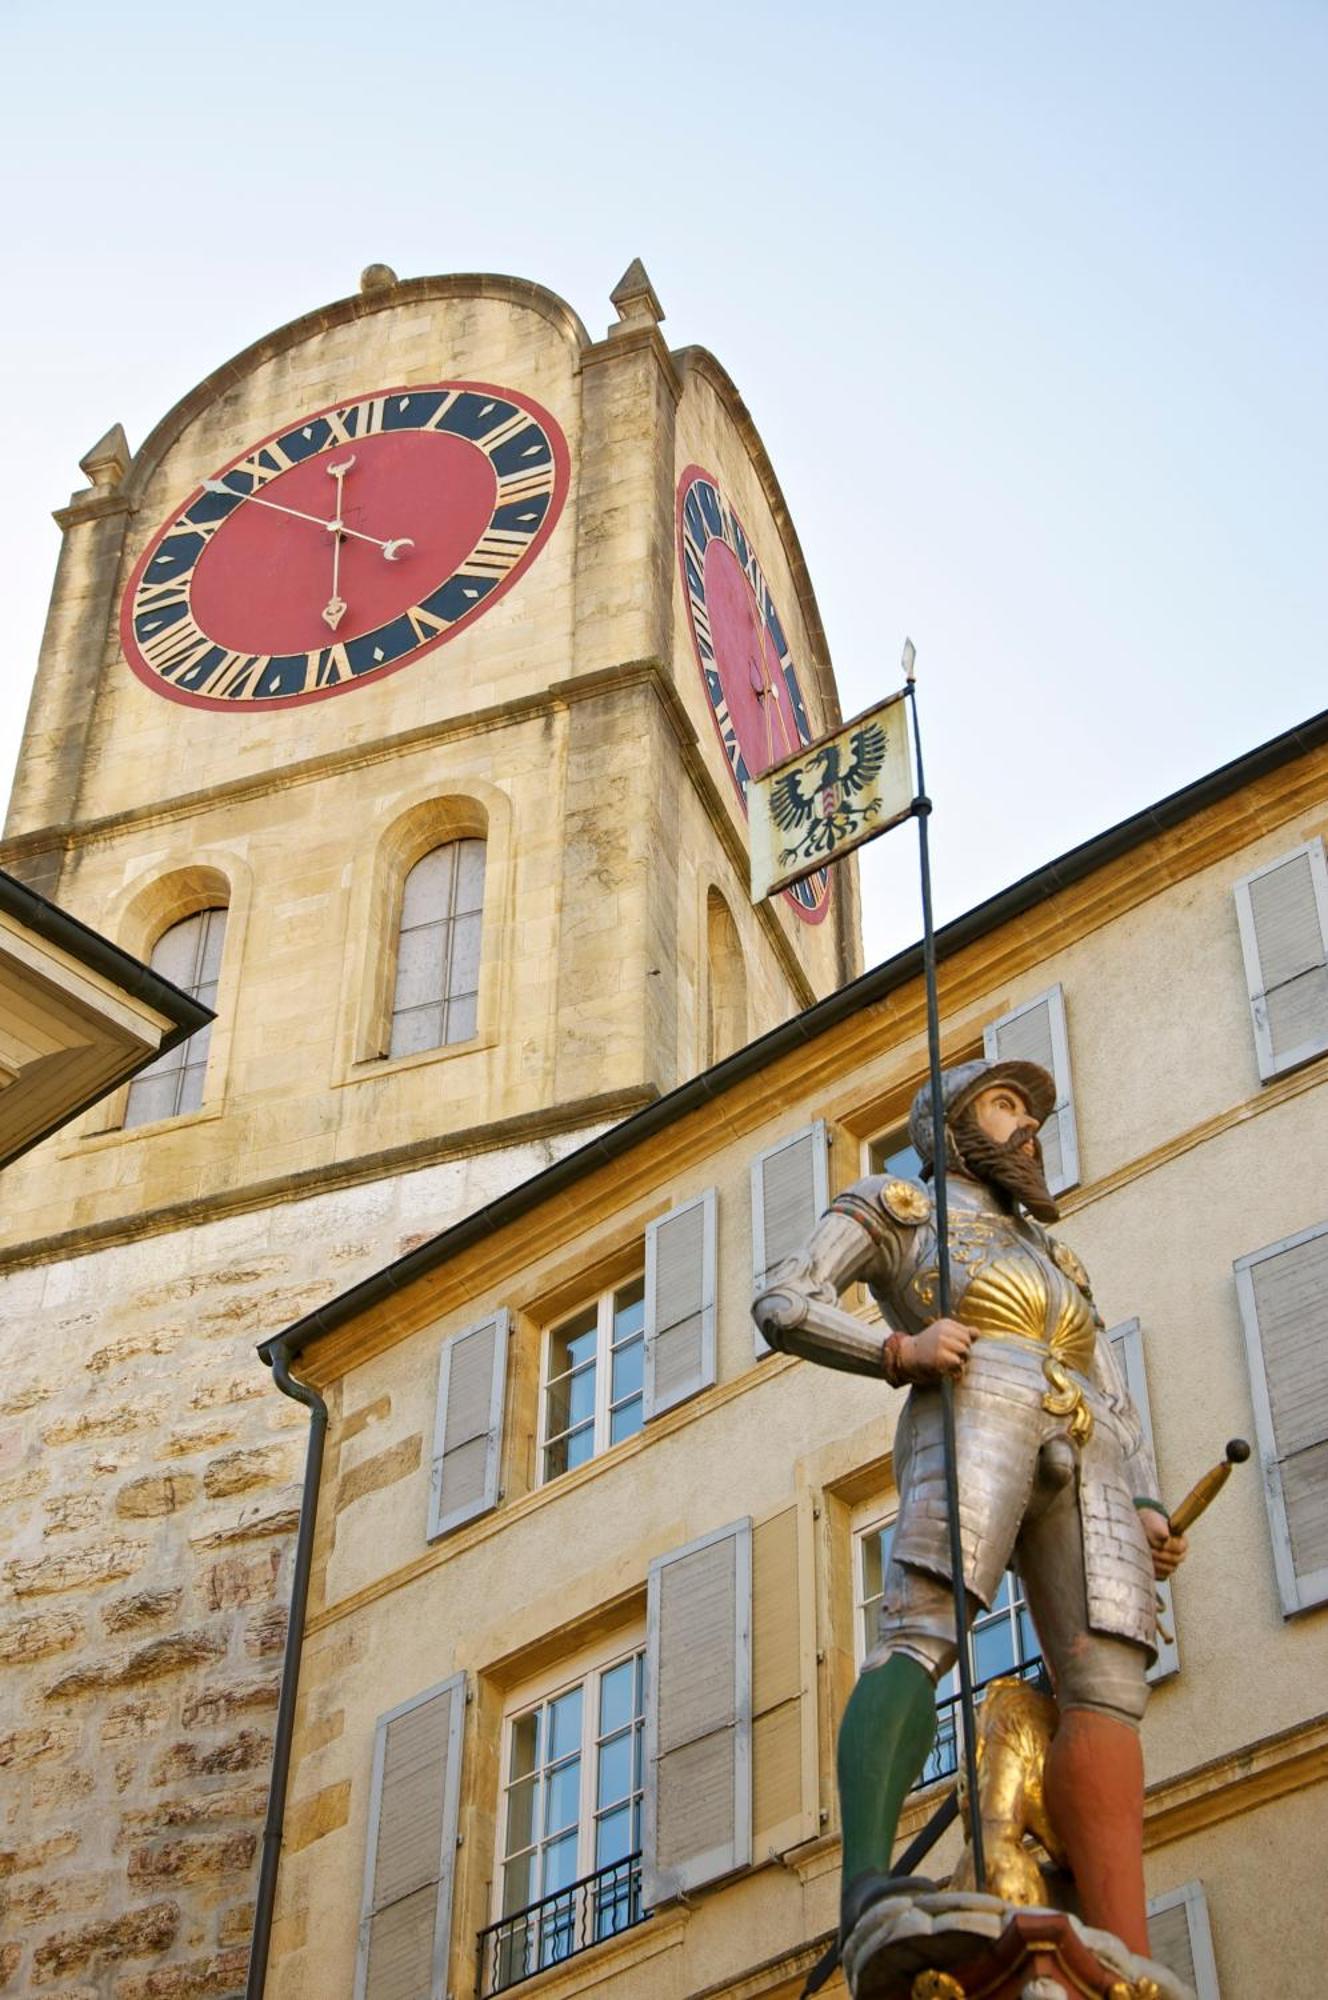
x,y
1168,1550
940,1349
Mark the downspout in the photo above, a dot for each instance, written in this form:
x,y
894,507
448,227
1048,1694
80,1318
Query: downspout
x,y
265,1901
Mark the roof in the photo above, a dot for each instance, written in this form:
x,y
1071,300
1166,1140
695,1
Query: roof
x,y
869,989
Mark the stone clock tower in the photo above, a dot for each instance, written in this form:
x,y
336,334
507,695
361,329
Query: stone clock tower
x,y
397,698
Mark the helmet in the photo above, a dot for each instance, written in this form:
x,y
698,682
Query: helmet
x,y
960,1085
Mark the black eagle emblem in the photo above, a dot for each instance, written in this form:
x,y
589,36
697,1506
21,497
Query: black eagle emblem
x,y
818,811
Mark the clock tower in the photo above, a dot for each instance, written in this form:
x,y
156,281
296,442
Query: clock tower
x,y
398,698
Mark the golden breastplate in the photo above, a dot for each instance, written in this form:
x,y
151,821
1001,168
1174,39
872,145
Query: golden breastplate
x,y
1021,1296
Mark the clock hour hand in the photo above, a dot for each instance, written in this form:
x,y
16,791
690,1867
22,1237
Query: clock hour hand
x,y
335,608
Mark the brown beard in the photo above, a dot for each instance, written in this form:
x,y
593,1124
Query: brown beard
x,y
1006,1166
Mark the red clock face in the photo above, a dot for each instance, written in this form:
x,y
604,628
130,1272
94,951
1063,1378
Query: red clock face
x,y
346,546
746,667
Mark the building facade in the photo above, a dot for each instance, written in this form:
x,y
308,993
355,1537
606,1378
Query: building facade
x,y
568,1700
395,702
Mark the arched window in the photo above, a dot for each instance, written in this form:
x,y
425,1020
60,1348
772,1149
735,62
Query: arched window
x,y
727,984
438,952
189,955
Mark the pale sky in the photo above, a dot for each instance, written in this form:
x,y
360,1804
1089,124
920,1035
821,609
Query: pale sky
x,y
1028,303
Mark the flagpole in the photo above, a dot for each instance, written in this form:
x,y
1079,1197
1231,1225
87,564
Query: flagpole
x,y
922,813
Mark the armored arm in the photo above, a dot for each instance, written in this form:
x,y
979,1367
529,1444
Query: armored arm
x,y
798,1310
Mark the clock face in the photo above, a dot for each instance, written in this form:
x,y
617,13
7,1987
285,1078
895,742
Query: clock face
x,y
746,667
345,546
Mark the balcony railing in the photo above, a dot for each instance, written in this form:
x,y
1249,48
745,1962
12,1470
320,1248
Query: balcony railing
x,y
560,1925
944,1759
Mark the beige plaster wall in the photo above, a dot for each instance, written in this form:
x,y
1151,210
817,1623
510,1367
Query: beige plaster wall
x,y
1189,1164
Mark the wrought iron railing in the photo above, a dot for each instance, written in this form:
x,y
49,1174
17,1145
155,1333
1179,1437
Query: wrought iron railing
x,y
945,1752
560,1925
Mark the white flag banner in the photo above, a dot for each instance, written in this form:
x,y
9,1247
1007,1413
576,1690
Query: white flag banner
x,y
830,797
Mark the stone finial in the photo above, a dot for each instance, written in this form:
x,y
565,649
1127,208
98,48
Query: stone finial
x,y
378,278
636,299
108,461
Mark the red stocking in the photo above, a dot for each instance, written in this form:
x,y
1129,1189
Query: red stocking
x,y
1095,1795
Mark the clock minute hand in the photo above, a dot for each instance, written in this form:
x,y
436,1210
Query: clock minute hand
x,y
391,550
335,608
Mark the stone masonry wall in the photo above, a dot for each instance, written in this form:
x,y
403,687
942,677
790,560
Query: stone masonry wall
x,y
149,1494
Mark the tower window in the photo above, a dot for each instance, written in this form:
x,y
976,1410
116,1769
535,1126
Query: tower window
x,y
189,955
438,951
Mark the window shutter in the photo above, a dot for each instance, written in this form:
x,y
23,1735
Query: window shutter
x,y
405,1924
1179,1938
1283,1293
777,1685
680,1304
699,1713
1127,1345
790,1192
1036,1032
1283,915
468,1433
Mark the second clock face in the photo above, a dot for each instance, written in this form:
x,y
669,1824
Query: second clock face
x,y
746,666
345,546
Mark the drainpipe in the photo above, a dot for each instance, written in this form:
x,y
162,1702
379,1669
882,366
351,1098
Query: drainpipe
x,y
278,1356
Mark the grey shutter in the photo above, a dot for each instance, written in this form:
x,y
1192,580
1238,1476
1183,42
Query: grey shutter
x,y
790,1192
406,1915
1179,1937
1036,1032
1283,1293
680,1304
468,1432
1283,915
699,1713
1127,1344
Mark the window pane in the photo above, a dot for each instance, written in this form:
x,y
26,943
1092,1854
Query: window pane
x,y
470,876
628,1371
151,1097
560,1863
993,1650
617,1697
1028,1638
525,1744
427,895
564,1725
518,1883
629,1309
214,937
190,1096
570,1402
573,1342
462,1019
562,1798
521,1827
421,1029
613,1837
176,953
465,971
615,1770
421,962
627,1421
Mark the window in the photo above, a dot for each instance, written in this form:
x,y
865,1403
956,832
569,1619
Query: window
x,y
594,1378
1282,910
571,1823
1179,1937
1000,1641
894,1153
189,955
438,952
726,989
1283,1292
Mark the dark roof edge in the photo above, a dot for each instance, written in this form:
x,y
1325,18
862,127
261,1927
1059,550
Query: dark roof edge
x,y
865,991
90,948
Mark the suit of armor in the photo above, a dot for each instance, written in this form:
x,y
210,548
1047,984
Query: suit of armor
x,y
1052,1458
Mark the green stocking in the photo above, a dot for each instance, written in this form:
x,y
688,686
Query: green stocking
x,y
888,1729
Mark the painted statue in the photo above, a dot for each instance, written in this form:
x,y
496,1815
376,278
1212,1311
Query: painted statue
x,y
1054,1472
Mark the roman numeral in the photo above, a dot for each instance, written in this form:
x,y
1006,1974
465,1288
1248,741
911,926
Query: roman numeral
x,y
424,624
161,596
232,677
326,666
175,646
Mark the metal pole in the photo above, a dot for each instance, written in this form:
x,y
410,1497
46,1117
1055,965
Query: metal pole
x,y
922,811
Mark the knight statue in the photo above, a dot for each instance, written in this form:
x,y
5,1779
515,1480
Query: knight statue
x,y
1055,1474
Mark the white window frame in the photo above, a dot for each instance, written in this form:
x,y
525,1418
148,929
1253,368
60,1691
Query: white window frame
x,y
581,1671
1191,1894
604,1306
1271,1066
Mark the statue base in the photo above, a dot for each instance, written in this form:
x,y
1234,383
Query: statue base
x,y
958,1946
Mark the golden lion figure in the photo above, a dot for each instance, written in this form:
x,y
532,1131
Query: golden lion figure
x,y
1015,1726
